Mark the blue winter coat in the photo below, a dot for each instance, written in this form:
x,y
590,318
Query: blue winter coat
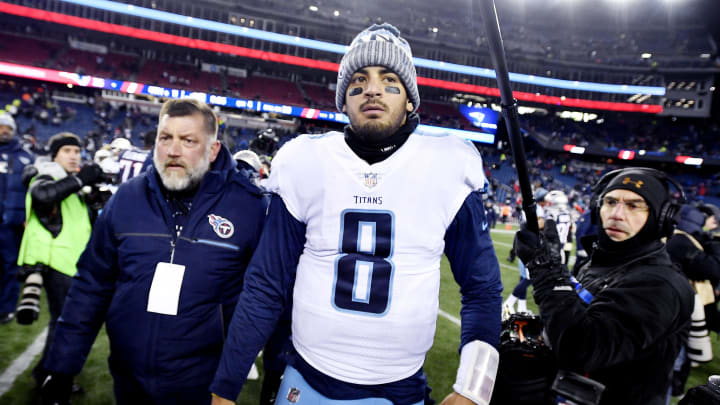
x,y
13,159
134,232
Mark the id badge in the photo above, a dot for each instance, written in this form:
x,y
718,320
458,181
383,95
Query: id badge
x,y
165,289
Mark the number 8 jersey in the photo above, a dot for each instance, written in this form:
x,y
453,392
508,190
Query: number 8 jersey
x,y
365,299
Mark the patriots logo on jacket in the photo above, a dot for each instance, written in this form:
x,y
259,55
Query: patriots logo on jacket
x,y
222,227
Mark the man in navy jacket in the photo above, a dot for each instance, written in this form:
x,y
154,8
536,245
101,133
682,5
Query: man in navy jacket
x,y
163,269
13,159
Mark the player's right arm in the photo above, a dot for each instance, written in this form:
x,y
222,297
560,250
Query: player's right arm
x,y
472,258
268,286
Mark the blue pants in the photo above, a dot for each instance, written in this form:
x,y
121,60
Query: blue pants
x,y
295,390
520,289
9,286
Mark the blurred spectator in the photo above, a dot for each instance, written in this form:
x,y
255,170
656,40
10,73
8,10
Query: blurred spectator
x,y
249,164
693,250
688,248
13,159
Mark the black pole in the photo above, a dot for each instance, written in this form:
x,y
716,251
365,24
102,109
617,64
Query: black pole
x,y
509,109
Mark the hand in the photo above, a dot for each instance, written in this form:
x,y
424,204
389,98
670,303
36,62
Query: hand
x,y
28,173
526,245
552,239
216,400
456,399
90,174
56,389
533,249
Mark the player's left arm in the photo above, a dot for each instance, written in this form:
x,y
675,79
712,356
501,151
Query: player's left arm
x,y
475,268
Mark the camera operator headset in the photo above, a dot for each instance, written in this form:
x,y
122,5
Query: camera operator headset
x,y
669,211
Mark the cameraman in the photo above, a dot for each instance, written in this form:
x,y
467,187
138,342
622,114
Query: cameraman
x,y
58,225
629,334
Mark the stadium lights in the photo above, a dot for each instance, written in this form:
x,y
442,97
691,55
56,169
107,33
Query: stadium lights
x,y
341,49
574,149
313,8
689,160
209,46
705,55
336,13
646,55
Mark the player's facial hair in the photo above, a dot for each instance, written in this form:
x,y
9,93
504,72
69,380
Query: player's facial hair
x,y
192,176
374,131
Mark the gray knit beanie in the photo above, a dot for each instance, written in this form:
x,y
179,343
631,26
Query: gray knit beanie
x,y
7,120
378,45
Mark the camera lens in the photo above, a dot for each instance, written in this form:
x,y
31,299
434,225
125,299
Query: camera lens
x,y
29,307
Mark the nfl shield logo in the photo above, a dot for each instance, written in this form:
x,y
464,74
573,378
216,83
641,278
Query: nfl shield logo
x,y
370,180
293,395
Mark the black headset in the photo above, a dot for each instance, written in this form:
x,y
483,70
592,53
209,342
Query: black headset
x,y
669,211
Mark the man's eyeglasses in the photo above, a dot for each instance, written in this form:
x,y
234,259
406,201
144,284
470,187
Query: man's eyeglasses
x,y
630,206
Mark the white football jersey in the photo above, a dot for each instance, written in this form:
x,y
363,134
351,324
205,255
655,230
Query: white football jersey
x,y
366,293
563,221
131,163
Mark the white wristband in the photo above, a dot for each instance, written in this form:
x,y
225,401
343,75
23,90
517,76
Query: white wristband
x,y
477,371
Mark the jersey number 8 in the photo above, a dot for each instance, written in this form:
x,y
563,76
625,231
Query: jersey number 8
x,y
364,273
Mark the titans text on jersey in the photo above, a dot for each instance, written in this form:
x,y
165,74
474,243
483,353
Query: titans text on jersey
x,y
359,199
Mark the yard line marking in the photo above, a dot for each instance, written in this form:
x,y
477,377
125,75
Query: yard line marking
x,y
21,364
449,317
503,230
502,244
507,266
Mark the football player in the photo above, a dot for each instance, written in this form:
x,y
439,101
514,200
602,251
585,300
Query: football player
x,y
355,234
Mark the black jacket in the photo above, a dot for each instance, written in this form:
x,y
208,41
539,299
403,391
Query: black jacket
x,y
629,335
697,264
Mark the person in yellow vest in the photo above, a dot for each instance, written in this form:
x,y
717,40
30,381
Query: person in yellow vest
x,y
58,225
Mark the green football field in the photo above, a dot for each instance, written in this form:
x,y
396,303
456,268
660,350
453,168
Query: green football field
x,y
440,365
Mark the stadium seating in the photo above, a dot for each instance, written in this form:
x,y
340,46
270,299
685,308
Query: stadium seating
x,y
319,96
269,89
23,50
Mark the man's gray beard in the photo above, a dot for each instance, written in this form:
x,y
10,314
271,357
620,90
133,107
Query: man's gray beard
x,y
191,178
